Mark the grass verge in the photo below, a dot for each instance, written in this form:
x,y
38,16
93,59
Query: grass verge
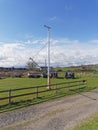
x,y
90,124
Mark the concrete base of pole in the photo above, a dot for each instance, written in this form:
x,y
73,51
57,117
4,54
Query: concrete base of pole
x,y
48,87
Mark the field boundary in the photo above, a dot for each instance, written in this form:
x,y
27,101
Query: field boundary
x,y
37,91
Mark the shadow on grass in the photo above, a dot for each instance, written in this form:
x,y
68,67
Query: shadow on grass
x,y
60,77
85,95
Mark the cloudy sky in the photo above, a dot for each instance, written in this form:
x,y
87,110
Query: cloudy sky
x,y
74,32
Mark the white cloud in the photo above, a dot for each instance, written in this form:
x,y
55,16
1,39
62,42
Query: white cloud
x,y
64,52
94,41
64,41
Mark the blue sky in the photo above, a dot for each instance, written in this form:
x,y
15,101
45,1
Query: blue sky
x,y
74,29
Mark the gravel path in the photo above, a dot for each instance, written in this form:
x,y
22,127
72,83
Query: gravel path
x,y
60,114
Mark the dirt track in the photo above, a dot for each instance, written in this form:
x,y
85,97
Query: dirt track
x,y
55,115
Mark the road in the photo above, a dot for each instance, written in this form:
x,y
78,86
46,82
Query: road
x,y
60,114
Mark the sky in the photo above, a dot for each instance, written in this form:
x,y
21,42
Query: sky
x,y
73,33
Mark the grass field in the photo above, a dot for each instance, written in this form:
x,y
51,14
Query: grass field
x,y
90,124
13,83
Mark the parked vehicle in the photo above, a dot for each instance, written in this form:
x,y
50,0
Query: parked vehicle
x,y
44,75
17,76
33,75
54,75
69,74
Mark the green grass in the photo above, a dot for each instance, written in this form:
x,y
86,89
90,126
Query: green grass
x,y
91,124
12,83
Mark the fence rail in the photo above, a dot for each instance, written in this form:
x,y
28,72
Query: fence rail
x,y
37,90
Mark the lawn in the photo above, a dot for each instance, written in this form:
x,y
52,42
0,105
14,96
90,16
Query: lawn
x,y
91,124
15,83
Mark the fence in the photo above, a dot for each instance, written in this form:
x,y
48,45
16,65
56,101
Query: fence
x,y
8,96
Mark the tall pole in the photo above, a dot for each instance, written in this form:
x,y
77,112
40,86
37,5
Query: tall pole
x,y
48,69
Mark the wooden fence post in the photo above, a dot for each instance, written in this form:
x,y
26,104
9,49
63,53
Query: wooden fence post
x,y
85,83
9,91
